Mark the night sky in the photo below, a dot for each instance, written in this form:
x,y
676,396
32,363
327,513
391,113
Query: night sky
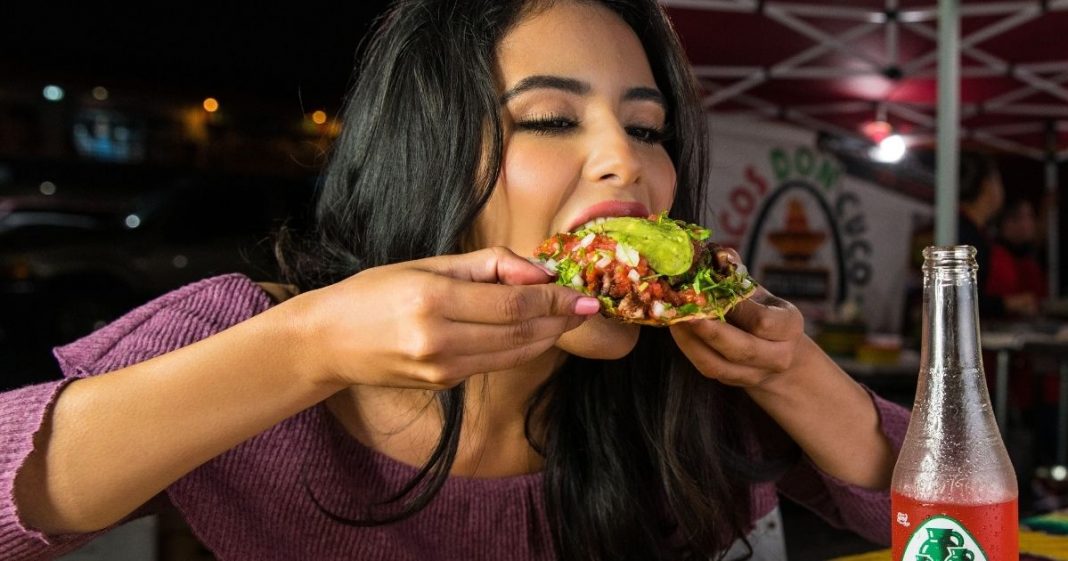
x,y
289,54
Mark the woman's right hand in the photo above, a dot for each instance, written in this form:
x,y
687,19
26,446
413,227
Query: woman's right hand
x,y
431,323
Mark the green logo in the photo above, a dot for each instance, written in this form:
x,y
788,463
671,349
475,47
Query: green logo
x,y
941,538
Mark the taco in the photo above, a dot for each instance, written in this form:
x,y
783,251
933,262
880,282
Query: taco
x,y
649,271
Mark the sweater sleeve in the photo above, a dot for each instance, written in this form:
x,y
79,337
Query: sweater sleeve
x,y
863,511
172,321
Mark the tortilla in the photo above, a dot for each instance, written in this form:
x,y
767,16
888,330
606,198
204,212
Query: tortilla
x,y
621,261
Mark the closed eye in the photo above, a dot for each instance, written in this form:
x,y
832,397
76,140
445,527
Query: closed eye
x,y
548,124
650,135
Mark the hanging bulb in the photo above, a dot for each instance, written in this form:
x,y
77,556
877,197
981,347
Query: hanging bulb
x,y
890,150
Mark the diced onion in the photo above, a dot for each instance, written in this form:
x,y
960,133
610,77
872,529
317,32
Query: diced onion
x,y
551,265
576,281
658,308
587,240
627,255
634,276
603,262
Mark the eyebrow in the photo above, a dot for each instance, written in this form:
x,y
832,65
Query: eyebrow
x,y
577,87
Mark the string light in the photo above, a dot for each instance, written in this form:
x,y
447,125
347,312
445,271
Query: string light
x,y
211,105
100,93
319,117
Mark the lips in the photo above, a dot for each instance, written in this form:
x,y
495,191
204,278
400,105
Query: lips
x,y
608,209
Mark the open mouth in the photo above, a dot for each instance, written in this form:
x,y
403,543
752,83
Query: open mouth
x,y
605,210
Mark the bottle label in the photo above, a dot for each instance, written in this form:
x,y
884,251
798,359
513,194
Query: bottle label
x,y
942,538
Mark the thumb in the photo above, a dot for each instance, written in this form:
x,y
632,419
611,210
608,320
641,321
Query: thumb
x,y
491,265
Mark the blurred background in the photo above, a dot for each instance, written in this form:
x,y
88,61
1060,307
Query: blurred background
x,y
142,149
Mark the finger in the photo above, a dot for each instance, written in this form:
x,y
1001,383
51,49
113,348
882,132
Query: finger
x,y
710,362
480,338
502,304
491,265
768,317
740,347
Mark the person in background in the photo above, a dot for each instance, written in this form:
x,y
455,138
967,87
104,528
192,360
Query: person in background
x,y
1015,275
1018,279
981,197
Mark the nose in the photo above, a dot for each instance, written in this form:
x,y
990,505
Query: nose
x,y
612,158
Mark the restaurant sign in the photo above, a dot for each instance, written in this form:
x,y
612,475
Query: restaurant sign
x,y
808,232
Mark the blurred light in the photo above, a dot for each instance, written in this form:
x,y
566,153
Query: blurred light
x,y
211,105
890,150
1059,473
48,188
100,93
180,261
133,221
877,131
52,93
319,117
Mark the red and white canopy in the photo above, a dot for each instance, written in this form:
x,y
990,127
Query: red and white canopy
x,y
835,65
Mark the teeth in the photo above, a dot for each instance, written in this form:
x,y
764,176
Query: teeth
x,y
594,222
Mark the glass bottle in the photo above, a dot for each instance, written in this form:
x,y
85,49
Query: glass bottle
x,y
954,495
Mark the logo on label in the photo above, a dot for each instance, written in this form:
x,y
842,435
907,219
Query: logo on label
x,y
941,538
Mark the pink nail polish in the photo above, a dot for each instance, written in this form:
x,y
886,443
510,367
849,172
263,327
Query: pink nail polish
x,y
586,306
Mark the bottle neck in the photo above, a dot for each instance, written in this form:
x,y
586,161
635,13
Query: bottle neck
x,y
950,320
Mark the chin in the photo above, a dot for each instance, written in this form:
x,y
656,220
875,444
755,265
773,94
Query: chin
x,y
600,338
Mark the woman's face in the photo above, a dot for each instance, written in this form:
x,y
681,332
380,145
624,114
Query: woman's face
x,y
583,123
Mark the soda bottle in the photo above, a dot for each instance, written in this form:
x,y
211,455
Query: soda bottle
x,y
954,494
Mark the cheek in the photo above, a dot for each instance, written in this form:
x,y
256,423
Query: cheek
x,y
533,184
662,178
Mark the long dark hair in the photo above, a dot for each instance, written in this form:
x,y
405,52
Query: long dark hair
x,y
642,459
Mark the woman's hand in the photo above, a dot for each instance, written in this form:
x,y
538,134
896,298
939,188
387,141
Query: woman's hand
x,y
431,323
762,339
762,348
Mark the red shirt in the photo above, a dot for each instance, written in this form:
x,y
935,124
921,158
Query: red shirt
x,y
1012,274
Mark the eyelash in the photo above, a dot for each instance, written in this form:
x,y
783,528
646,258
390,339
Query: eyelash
x,y
557,125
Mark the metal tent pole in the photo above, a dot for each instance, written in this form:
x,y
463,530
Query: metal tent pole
x,y
1053,255
948,122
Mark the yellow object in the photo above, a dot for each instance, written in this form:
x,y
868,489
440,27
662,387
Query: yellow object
x,y
1034,543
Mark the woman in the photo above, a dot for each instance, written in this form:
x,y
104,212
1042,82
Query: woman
x,y
429,394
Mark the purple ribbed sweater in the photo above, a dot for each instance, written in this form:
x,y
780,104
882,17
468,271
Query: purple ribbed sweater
x,y
249,503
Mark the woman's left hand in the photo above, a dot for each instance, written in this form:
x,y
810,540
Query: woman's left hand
x,y
762,339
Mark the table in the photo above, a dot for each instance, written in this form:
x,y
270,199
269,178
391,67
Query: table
x,y
1034,546
1051,340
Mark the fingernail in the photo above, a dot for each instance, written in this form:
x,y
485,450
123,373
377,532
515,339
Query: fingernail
x,y
586,306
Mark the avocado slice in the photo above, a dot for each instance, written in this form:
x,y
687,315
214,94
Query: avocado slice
x,y
664,244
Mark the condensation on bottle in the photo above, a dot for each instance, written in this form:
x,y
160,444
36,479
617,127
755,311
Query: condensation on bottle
x,y
954,492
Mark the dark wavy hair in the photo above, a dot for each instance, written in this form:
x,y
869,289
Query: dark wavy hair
x,y
975,168
643,458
